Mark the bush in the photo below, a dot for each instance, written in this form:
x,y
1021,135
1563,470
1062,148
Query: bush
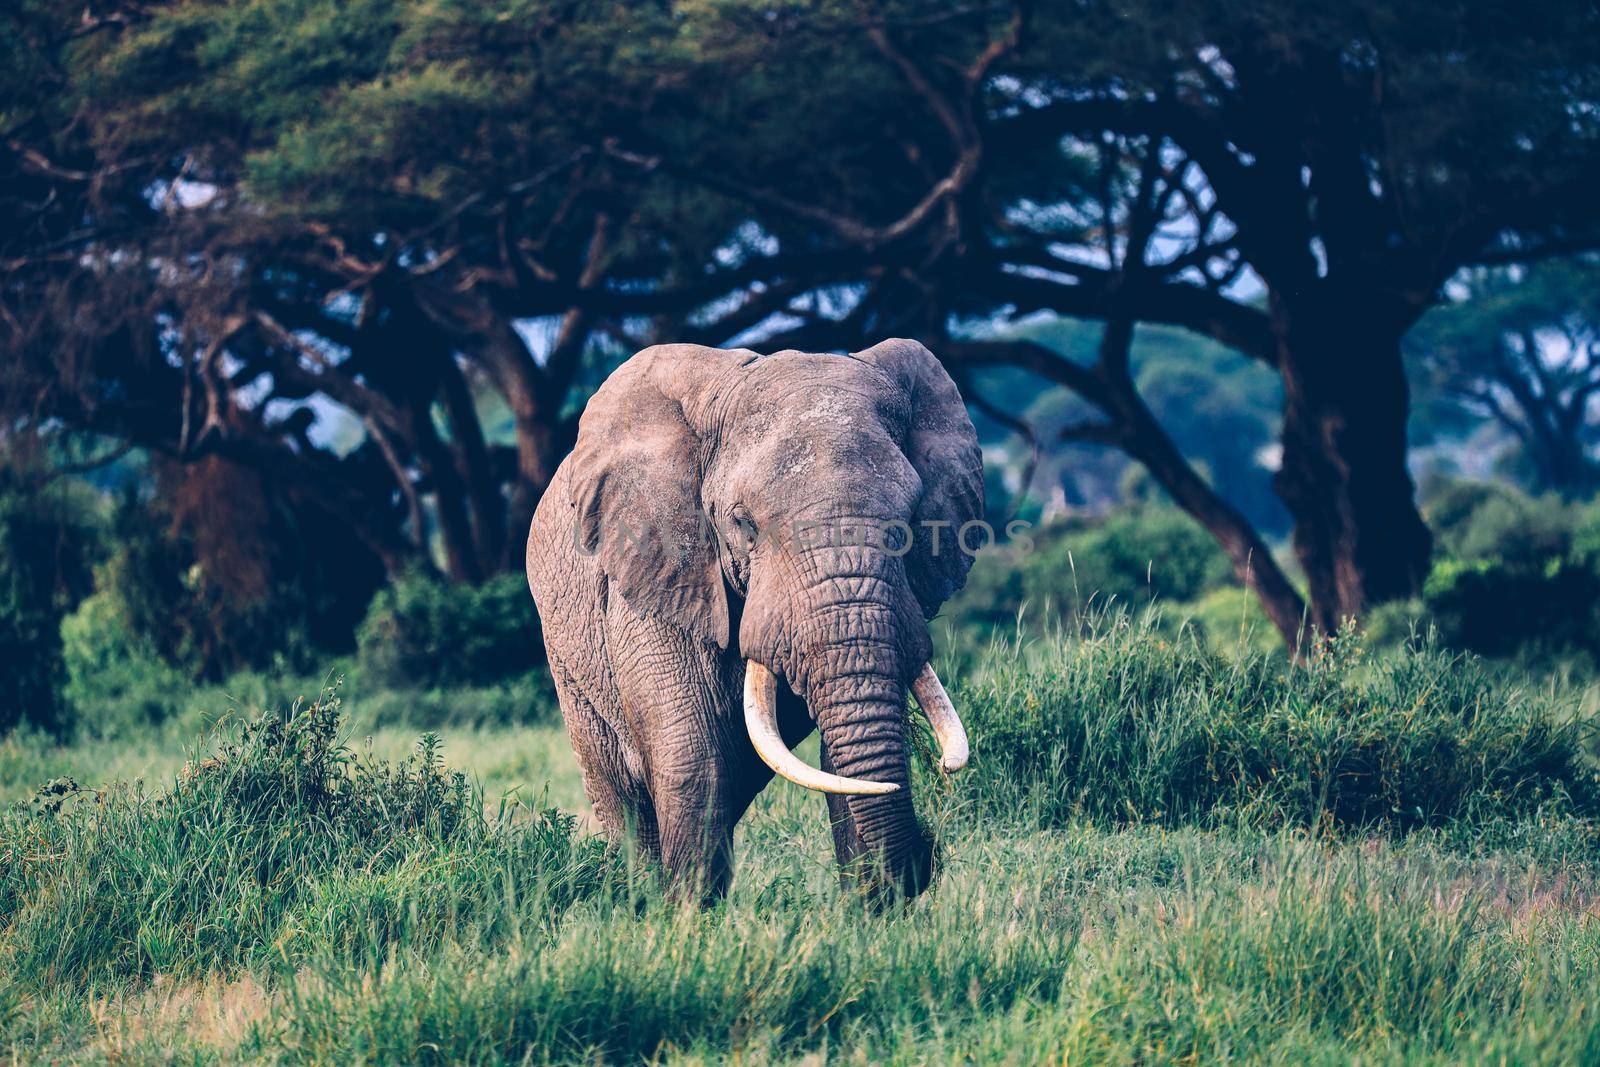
x,y
1133,557
1490,521
424,633
115,682
1502,609
520,700
282,844
1229,618
1514,576
1128,726
44,554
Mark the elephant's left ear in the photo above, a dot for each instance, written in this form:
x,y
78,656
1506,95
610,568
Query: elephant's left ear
x,y
943,448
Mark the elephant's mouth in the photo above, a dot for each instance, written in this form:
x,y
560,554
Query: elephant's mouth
x,y
761,719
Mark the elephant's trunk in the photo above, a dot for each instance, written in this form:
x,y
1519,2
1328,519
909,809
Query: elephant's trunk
x,y
848,645
864,737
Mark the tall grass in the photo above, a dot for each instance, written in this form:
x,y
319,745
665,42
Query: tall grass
x,y
283,842
1303,953
1130,725
1159,855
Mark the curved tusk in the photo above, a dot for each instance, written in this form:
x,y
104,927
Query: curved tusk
x,y
935,704
761,719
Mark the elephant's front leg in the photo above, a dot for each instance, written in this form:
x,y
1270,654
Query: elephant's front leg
x,y
695,814
682,700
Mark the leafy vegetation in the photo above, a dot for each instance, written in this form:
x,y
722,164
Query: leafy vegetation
x,y
280,843
1395,860
423,632
1515,577
1129,559
1126,726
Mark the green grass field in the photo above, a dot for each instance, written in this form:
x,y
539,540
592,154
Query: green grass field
x,y
1160,854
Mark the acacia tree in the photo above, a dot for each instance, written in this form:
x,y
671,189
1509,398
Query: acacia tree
x,y
1346,162
1521,348
252,239
363,207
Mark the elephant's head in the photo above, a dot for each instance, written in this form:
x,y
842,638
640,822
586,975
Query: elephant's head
x,y
805,510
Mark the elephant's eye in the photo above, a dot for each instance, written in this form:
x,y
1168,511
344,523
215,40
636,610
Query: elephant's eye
x,y
746,527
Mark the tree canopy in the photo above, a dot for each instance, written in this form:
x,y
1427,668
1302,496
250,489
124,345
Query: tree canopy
x,y
235,228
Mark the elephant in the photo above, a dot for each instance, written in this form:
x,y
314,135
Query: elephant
x,y
779,526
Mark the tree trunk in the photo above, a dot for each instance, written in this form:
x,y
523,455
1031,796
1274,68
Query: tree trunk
x,y
534,418
473,465
1557,448
462,563
1357,531
1253,563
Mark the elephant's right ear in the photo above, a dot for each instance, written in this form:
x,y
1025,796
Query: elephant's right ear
x,y
635,489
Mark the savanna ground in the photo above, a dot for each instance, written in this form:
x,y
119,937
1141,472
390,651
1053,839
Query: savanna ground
x,y
1162,852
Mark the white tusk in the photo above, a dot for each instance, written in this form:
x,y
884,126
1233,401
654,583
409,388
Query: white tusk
x,y
761,719
935,703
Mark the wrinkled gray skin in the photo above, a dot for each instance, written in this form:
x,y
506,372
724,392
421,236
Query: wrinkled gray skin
x,y
647,637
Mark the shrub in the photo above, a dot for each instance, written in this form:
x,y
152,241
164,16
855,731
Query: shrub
x,y
1128,726
1514,576
282,844
44,552
1230,618
1144,554
1135,556
520,700
1490,521
116,682
1500,609
424,633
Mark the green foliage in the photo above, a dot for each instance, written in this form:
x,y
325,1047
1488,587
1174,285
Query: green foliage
x,y
1128,726
425,633
116,681
1229,617
44,556
281,844
1515,577
288,899
155,607
1132,557
133,648
1492,521
1502,609
519,699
